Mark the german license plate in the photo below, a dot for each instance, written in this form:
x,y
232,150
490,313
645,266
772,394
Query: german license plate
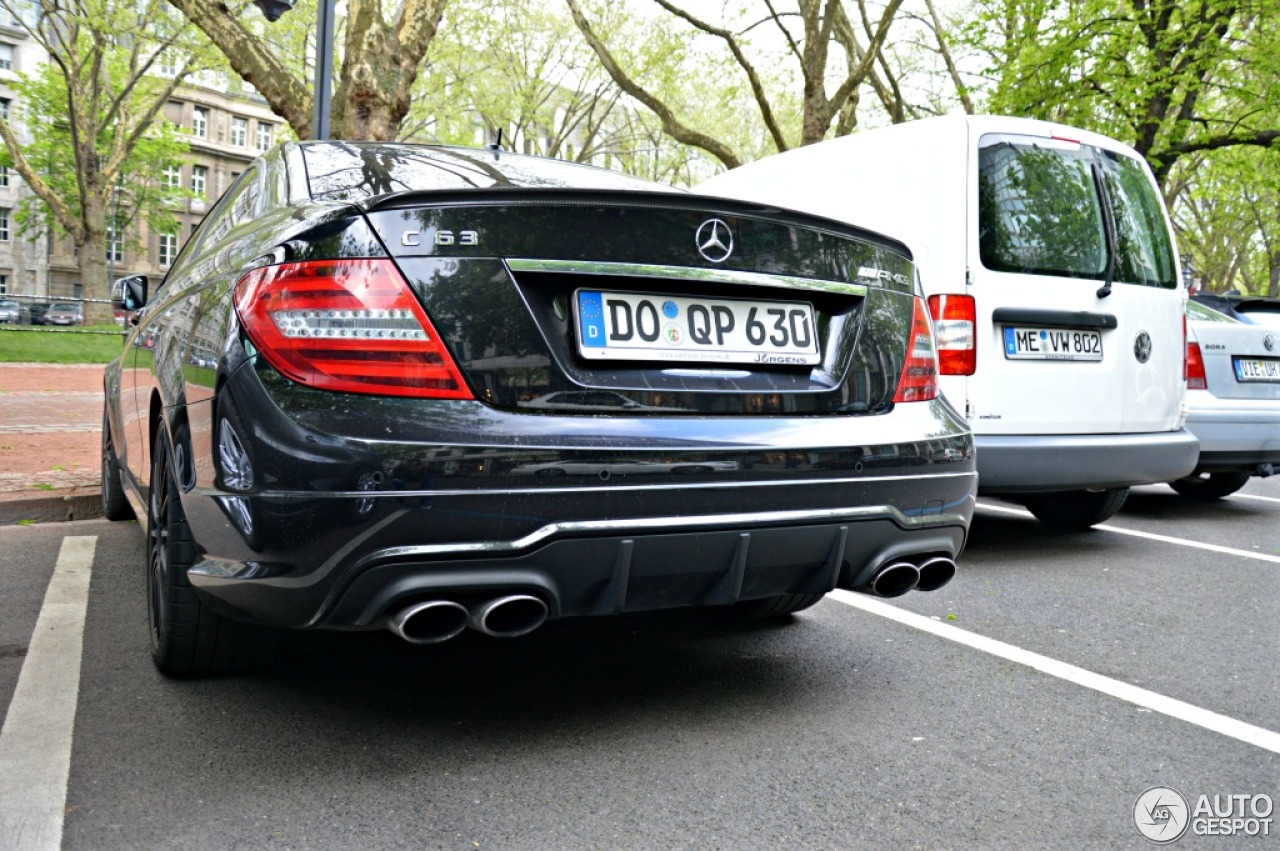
x,y
640,326
1257,369
1024,343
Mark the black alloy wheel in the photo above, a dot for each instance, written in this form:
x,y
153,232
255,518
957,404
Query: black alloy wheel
x,y
187,638
115,506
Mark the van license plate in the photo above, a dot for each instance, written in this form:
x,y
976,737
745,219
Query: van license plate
x,y
641,326
1256,369
1023,343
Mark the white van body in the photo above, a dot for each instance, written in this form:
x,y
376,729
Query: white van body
x,y
1068,432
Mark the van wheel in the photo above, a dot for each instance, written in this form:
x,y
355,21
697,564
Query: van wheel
x,y
1075,510
1210,486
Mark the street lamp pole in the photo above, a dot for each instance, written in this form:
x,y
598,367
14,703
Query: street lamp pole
x,y
323,89
324,72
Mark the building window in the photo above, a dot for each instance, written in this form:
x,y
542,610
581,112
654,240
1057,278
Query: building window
x,y
4,224
200,122
199,175
168,248
115,245
4,108
6,57
166,64
265,134
240,132
4,284
172,176
4,175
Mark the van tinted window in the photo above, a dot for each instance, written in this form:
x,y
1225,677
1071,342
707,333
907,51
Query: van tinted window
x,y
1040,212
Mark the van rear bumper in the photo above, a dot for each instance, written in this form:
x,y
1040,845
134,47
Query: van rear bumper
x,y
1041,463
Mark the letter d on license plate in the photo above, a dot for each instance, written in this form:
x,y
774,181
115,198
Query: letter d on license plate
x,y
643,326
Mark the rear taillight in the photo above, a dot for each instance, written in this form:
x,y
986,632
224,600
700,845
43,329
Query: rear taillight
x,y
1194,368
954,322
919,379
349,325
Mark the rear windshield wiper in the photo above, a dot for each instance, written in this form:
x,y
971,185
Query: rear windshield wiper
x,y
1109,225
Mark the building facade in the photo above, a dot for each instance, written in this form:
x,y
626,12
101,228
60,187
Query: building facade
x,y
24,258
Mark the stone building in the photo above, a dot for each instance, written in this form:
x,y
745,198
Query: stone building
x,y
24,259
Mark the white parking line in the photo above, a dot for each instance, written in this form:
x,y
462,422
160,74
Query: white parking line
x,y
1239,730
35,743
1150,536
1256,496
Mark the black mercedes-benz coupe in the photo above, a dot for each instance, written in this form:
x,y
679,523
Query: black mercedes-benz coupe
x,y
425,388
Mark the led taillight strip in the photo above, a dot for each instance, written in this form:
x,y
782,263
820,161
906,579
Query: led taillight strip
x,y
919,379
347,325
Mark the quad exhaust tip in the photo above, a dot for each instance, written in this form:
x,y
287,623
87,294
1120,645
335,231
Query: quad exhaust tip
x,y
895,579
509,617
935,572
429,622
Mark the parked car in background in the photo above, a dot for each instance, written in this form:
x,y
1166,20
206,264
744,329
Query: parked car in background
x,y
1254,310
64,313
38,309
1233,402
14,312
1049,263
384,331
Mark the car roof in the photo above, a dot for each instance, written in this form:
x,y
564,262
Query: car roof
x,y
362,171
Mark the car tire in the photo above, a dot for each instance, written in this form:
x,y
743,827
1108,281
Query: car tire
x,y
187,638
1075,510
770,608
115,506
1207,487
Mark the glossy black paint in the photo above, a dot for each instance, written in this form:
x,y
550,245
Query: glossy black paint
x,y
361,503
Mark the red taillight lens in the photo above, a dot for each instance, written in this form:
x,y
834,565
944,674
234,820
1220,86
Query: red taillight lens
x,y
919,379
955,318
1194,367
348,325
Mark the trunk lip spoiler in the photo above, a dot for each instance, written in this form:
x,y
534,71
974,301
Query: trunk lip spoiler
x,y
687,273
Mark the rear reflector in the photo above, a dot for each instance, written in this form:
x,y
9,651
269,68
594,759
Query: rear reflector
x,y
919,379
955,319
1196,379
347,325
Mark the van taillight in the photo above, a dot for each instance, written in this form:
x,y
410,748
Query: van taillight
x,y
919,379
1194,368
955,322
348,325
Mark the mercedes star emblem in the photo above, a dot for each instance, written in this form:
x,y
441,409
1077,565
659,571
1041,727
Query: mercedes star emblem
x,y
1269,342
1142,347
714,240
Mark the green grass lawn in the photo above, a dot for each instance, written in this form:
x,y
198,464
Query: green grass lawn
x,y
21,344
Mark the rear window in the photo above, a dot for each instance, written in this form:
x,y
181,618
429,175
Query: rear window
x,y
1201,313
1040,212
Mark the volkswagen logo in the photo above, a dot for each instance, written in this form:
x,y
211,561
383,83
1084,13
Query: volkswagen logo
x,y
1269,342
714,240
1142,347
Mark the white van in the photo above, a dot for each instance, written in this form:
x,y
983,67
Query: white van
x,y
1050,266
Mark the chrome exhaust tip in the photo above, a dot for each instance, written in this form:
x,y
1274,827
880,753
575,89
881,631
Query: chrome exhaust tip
x,y
508,617
429,622
893,580
935,572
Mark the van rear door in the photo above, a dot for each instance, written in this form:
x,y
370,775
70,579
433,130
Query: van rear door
x,y
1076,290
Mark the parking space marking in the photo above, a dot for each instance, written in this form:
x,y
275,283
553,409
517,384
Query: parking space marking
x,y
1150,536
1256,496
1173,708
35,742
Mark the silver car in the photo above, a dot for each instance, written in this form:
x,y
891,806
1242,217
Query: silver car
x,y
1233,402
13,312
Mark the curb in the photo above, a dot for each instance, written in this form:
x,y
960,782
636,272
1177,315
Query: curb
x,y
79,504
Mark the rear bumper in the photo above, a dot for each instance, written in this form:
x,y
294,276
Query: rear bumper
x,y
1236,434
1044,463
697,511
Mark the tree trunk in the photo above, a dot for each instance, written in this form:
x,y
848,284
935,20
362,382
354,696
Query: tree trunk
x,y
1273,284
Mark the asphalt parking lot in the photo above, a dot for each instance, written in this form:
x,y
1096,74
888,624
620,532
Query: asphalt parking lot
x,y
1026,705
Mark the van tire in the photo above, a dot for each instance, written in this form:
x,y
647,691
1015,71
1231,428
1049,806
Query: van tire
x,y
1207,487
770,608
1075,510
